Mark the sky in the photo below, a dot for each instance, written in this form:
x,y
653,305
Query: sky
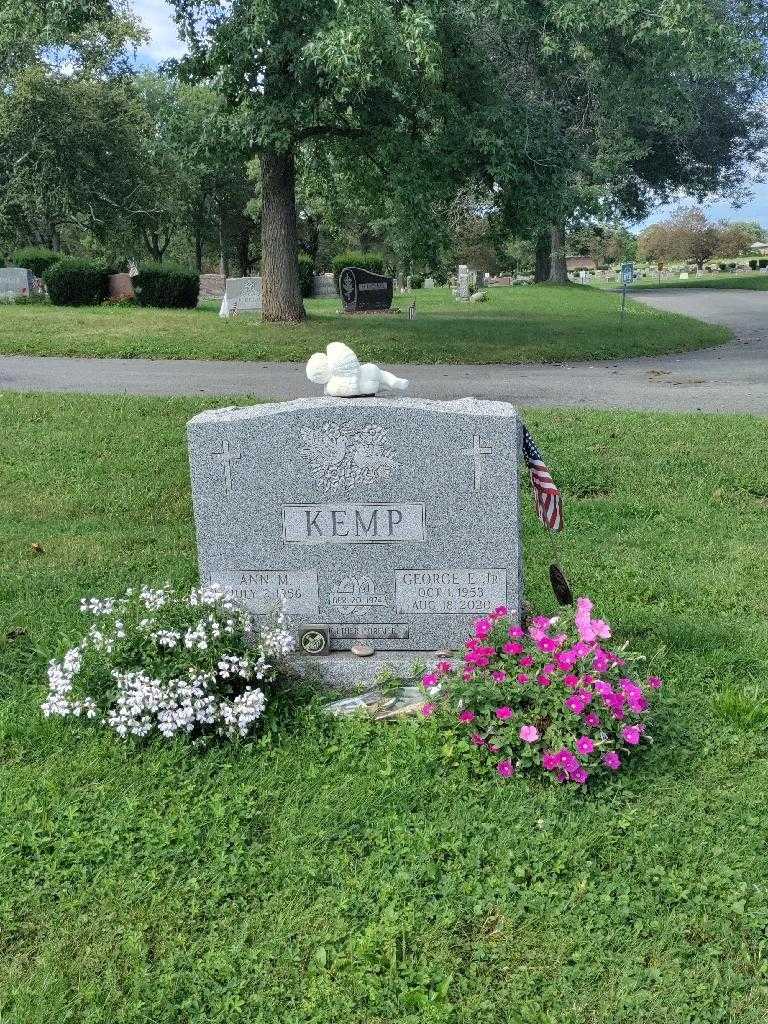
x,y
157,18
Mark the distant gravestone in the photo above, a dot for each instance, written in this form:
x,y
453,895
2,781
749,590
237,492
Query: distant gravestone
x,y
429,282
323,287
121,286
462,289
388,523
212,286
242,295
16,282
363,291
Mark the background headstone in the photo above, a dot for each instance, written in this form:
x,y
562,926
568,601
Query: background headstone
x,y
363,291
15,282
212,286
121,286
323,287
393,522
429,282
242,295
462,288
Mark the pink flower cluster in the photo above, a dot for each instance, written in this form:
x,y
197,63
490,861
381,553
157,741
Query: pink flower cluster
x,y
551,696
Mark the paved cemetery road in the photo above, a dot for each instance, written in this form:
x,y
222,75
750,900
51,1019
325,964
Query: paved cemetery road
x,y
730,378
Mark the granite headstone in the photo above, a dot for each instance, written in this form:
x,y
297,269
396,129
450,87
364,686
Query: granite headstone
x,y
242,295
388,522
363,291
462,290
323,287
16,282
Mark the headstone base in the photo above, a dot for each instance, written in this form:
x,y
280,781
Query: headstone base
x,y
345,671
371,312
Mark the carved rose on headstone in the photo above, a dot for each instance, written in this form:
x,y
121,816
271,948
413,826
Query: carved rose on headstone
x,y
340,456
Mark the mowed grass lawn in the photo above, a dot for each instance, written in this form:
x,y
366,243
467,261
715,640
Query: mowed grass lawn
x,y
515,325
353,873
756,282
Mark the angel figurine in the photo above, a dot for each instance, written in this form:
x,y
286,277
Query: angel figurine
x,y
345,377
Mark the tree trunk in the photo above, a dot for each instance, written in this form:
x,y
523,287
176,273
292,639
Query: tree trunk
x,y
243,249
280,290
543,261
198,251
558,273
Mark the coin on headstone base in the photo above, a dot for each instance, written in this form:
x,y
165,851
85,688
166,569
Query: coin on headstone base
x,y
363,650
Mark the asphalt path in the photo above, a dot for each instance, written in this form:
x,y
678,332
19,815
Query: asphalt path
x,y
730,378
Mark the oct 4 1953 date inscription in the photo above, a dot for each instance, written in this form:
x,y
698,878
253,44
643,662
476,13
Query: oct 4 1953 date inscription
x,y
449,591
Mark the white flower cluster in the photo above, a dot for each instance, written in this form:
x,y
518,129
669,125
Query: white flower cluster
x,y
215,595
168,638
157,690
61,676
277,642
232,665
238,716
98,605
155,599
179,706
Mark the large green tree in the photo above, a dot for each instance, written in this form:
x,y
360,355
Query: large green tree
x,y
376,72
194,180
86,35
68,156
608,110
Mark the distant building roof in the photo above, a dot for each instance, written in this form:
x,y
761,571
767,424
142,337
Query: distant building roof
x,y
762,246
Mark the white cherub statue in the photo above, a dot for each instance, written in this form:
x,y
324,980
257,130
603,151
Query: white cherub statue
x,y
344,376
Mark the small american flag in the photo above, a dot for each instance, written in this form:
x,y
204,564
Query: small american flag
x,y
546,497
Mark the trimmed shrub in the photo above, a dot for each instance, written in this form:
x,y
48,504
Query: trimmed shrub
x,y
417,280
36,259
75,282
372,261
762,264
722,266
167,286
753,264
306,275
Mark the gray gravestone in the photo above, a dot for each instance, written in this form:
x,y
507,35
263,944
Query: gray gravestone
x,y
243,295
324,287
391,522
15,282
462,291
429,282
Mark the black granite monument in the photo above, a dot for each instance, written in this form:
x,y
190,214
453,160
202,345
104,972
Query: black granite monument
x,y
363,292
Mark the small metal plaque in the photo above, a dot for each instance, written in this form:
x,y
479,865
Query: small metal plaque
x,y
315,640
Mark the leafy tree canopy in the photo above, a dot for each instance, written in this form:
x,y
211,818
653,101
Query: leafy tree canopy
x,y
87,35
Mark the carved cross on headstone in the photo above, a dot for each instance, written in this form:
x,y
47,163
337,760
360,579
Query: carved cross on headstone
x,y
479,451
226,457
